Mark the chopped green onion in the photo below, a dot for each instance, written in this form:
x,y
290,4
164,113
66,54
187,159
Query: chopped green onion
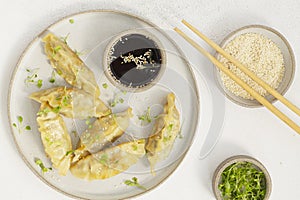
x,y
14,125
28,128
71,21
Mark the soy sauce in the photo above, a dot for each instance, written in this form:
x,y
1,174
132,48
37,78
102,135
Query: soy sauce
x,y
135,60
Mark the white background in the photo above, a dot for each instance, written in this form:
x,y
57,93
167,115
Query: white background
x,y
254,132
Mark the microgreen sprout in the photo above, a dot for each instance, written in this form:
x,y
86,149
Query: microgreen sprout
x,y
39,83
32,78
53,77
79,53
88,122
180,136
55,50
103,159
65,39
147,117
242,180
116,101
47,110
134,182
104,85
74,133
70,152
19,125
43,112
41,165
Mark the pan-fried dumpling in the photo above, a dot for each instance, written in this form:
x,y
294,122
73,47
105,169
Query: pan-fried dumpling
x,y
72,102
165,131
109,162
55,138
103,132
69,66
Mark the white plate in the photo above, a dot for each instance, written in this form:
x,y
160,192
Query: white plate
x,y
91,32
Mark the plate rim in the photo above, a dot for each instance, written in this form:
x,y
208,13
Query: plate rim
x,y
32,42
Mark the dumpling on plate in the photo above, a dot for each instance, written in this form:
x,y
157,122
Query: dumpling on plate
x,y
69,66
165,131
55,138
109,162
102,132
72,102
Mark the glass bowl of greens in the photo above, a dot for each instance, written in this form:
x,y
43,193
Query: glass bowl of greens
x,y
241,177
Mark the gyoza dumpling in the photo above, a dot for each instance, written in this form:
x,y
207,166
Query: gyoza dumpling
x,y
166,129
109,162
69,66
55,138
72,102
102,132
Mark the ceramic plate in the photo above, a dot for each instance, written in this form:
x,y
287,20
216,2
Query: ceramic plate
x,y
89,33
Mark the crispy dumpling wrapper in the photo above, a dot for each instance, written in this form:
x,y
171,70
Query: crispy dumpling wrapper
x,y
109,162
165,131
72,102
55,138
103,132
69,66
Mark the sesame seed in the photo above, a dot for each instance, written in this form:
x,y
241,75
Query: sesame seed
x,y
261,56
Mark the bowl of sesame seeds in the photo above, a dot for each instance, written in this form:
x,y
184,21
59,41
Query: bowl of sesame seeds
x,y
134,60
266,53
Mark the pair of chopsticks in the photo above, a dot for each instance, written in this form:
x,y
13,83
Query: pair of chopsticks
x,y
229,73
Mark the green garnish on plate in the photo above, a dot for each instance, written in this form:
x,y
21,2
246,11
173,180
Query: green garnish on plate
x,y
104,85
53,77
41,165
242,181
32,78
19,125
134,182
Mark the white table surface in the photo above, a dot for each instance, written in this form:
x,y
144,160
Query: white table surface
x,y
254,132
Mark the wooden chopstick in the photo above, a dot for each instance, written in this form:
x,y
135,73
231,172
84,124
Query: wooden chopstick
x,y
244,85
244,69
